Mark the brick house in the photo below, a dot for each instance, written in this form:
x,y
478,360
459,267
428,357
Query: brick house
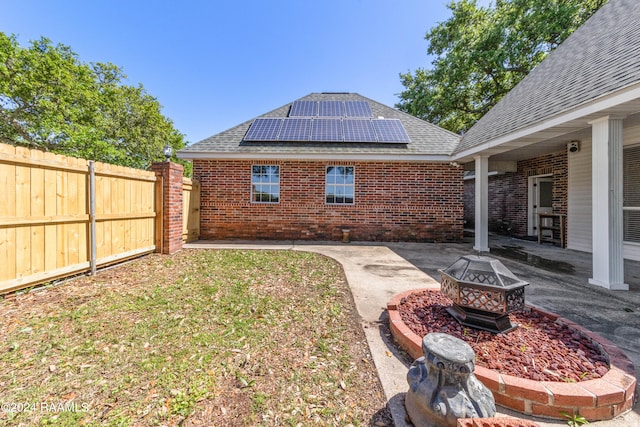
x,y
564,145
328,162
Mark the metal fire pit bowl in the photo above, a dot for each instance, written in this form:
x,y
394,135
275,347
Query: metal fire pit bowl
x,y
484,292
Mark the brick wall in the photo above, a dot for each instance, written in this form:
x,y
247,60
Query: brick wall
x,y
556,164
504,202
508,193
401,201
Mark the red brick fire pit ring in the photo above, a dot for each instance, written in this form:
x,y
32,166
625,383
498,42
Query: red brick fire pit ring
x,y
598,399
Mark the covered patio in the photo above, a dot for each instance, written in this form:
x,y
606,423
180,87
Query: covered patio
x,y
581,105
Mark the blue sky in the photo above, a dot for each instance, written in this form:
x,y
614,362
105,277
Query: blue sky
x,y
214,64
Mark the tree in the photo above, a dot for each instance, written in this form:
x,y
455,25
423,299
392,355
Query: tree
x,y
481,53
51,101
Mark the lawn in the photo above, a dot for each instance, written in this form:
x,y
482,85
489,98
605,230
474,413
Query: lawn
x,y
202,337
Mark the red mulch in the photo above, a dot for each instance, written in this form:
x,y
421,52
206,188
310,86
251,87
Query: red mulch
x,y
539,349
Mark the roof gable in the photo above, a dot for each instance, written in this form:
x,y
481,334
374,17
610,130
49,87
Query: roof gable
x,y
598,59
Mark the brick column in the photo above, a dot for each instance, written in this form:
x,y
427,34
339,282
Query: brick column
x,y
171,175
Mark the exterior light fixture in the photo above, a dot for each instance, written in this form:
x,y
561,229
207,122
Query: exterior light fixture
x,y
573,146
484,292
168,152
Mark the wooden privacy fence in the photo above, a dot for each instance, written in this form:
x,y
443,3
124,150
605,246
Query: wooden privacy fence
x,y
190,210
46,222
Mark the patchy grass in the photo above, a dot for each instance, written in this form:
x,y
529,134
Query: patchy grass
x,y
203,337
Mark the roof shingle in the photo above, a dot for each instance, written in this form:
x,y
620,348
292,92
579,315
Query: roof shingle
x,y
426,138
599,58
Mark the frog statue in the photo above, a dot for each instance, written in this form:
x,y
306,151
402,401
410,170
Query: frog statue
x,y
442,386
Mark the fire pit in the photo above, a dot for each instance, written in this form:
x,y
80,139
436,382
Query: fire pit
x,y
484,292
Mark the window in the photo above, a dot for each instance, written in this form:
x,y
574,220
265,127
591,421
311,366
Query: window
x,y
339,185
265,183
631,194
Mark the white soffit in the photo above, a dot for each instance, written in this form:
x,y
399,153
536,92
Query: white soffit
x,y
626,101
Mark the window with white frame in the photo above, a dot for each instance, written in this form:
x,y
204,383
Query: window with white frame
x,y
631,194
339,187
265,183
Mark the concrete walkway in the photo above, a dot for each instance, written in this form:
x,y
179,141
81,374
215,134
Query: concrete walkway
x,y
558,283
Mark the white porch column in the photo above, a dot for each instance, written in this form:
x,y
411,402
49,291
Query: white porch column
x,y
482,204
607,227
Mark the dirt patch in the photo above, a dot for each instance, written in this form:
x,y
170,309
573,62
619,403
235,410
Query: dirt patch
x,y
539,349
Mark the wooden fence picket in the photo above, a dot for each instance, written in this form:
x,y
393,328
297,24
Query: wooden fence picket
x,y
44,215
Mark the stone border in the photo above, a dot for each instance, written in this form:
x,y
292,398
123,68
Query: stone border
x,y
599,399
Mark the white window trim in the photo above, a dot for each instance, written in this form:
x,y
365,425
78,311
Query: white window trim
x,y
252,186
353,186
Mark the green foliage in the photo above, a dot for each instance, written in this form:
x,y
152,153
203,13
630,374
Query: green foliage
x,y
574,420
51,101
482,53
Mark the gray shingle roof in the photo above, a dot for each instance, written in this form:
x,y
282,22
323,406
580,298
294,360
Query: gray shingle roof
x,y
599,58
426,138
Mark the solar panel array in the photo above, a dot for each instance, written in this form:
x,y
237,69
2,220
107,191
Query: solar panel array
x,y
305,108
322,129
328,121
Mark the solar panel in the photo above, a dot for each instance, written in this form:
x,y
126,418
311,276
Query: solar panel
x,y
325,121
295,129
304,109
326,130
390,130
264,129
331,109
358,130
358,109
